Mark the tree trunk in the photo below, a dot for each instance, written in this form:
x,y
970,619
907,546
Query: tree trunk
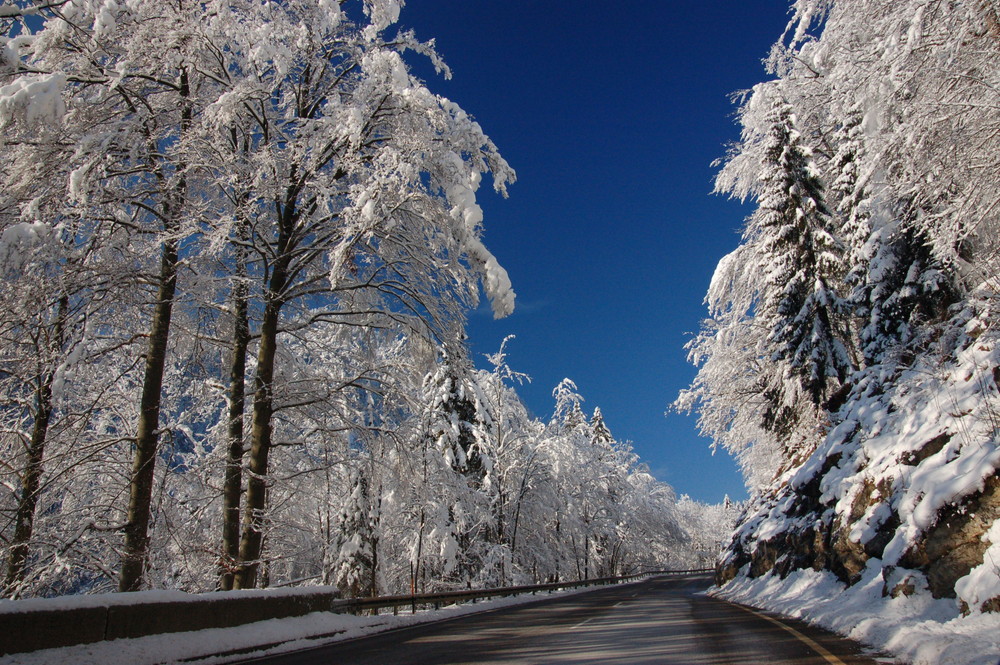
x,y
135,555
233,483
31,479
559,550
415,567
260,449
373,573
375,541
251,540
136,552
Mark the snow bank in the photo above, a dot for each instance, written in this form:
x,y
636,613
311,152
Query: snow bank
x,y
899,507
918,629
252,640
64,603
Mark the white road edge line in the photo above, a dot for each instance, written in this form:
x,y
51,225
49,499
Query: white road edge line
x,y
581,623
812,644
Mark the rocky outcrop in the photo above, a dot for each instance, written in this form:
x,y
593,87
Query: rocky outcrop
x,y
955,544
903,484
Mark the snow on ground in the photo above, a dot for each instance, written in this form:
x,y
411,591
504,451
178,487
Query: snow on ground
x,y
909,454
917,629
83,601
253,640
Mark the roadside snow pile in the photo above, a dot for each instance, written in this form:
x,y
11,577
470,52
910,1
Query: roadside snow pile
x,y
899,507
252,640
264,638
919,629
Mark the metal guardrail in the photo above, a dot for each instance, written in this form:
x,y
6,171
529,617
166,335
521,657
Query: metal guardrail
x,y
40,625
436,600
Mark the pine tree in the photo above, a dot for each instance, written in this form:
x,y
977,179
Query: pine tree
x,y
602,435
851,195
458,431
457,419
896,282
799,304
354,570
903,288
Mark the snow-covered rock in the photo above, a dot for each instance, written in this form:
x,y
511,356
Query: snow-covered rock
x,y
899,503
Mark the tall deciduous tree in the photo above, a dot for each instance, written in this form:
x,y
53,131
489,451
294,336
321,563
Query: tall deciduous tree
x,y
128,113
231,197
364,191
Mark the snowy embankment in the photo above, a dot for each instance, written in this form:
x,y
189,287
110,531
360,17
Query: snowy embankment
x,y
225,645
890,531
917,629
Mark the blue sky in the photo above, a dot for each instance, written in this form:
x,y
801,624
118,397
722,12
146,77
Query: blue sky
x,y
611,114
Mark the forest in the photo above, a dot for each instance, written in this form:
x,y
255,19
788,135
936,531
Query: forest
x,y
239,241
850,358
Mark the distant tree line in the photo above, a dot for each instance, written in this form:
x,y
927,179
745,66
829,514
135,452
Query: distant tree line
x,y
238,241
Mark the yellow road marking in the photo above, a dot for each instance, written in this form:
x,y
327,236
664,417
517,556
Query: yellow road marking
x,y
812,644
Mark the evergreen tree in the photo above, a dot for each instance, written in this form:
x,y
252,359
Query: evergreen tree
x,y
903,288
896,281
457,419
355,569
458,430
851,195
799,304
602,435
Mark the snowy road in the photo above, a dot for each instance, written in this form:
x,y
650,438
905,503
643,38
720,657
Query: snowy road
x,y
657,621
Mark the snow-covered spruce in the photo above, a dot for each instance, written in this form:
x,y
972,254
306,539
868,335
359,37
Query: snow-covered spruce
x,y
888,485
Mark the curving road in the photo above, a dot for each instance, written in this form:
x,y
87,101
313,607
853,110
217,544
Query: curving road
x,y
662,620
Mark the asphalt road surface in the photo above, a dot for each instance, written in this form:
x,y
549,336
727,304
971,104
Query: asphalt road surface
x,y
661,620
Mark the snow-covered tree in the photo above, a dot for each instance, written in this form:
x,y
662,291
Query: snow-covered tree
x,y
355,566
709,529
242,238
365,180
892,99
779,340
798,302
122,113
38,334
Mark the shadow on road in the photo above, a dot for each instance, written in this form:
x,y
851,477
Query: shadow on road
x,y
659,621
